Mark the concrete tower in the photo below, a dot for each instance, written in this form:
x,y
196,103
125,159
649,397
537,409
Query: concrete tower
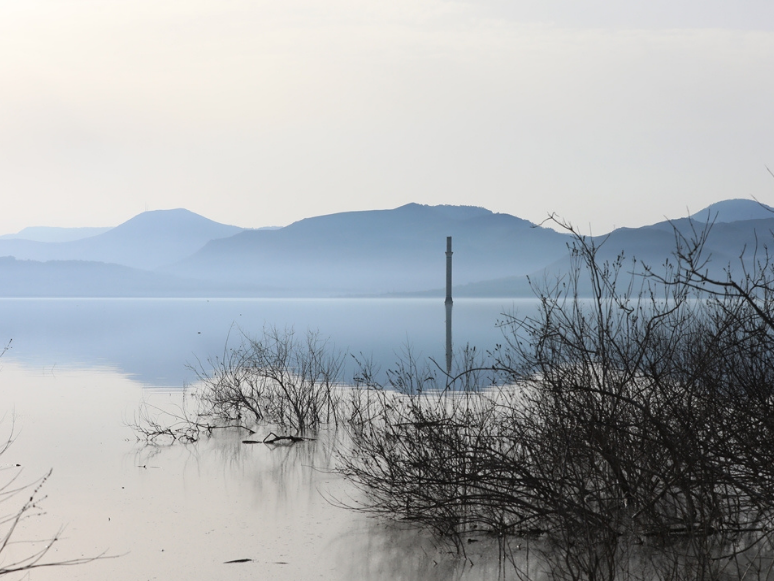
x,y
448,303
448,270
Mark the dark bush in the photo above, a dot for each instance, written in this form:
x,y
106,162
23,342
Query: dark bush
x,y
626,435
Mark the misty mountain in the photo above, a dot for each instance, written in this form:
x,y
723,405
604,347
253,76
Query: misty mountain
x,y
734,241
736,227
733,211
399,251
147,241
53,234
79,278
378,251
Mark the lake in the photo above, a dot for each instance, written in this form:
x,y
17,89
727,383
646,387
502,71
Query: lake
x,y
152,340
76,375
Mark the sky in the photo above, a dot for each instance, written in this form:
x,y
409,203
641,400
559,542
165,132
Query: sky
x,y
259,113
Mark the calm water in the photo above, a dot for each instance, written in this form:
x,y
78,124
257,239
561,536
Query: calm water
x,y
152,340
75,377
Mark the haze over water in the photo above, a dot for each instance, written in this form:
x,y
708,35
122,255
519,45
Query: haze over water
x,y
153,340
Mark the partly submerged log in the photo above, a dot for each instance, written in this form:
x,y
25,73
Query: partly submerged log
x,y
273,438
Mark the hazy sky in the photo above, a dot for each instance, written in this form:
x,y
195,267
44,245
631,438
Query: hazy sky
x,y
254,113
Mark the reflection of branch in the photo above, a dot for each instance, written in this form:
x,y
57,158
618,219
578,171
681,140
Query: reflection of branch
x,y
6,348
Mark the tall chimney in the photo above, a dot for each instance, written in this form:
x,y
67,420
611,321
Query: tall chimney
x,y
448,271
448,305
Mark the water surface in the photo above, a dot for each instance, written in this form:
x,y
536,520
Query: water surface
x,y
79,370
152,340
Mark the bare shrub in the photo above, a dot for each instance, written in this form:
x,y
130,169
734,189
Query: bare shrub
x,y
276,378
417,453
626,435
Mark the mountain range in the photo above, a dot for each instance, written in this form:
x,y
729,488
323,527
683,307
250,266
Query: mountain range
x,y
398,251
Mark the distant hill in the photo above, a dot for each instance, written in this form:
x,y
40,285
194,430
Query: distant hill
x,y
730,244
399,252
734,211
79,278
724,212
378,251
53,234
147,241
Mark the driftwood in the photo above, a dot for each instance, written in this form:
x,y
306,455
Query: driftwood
x,y
273,438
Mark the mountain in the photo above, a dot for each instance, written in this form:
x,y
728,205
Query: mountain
x,y
80,278
398,251
731,245
378,251
53,234
147,241
28,278
733,211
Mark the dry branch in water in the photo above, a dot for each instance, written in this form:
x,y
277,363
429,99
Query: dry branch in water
x,y
22,502
276,378
273,438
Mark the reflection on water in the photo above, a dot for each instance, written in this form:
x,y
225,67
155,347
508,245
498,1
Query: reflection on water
x,y
181,512
152,340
